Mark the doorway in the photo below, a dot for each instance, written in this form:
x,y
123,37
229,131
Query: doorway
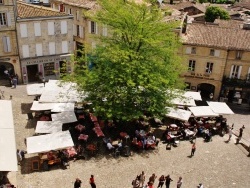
x,y
206,91
32,71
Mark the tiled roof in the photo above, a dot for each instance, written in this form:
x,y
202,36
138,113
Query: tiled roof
x,y
216,36
229,23
243,5
187,4
87,4
25,10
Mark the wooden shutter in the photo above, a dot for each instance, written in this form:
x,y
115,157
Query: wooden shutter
x,y
239,72
188,50
217,53
37,27
26,52
5,47
64,27
8,19
89,26
231,71
52,48
51,28
65,47
81,31
96,28
23,30
39,49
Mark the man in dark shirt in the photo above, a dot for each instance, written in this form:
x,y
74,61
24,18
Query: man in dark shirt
x,y
77,183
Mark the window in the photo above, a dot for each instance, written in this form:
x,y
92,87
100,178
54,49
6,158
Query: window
x,y
235,71
26,51
52,48
3,19
77,15
65,47
49,69
78,30
69,11
37,27
238,54
248,74
51,28
64,27
1,1
61,8
39,49
6,44
92,27
212,52
23,30
209,67
191,65
193,50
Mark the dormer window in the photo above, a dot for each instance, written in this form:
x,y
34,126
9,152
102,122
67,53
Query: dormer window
x,y
238,54
193,50
212,51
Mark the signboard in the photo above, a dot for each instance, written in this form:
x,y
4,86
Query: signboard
x,y
49,69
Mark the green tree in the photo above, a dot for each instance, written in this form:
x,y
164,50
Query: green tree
x,y
213,13
134,65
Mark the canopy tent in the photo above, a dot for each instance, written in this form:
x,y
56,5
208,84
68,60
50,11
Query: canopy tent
x,y
48,127
48,142
63,107
179,114
202,111
64,117
193,94
56,91
37,106
184,102
35,89
8,154
220,107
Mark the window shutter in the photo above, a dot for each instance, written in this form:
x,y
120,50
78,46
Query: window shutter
x,y
217,53
231,71
89,26
39,49
37,27
8,19
188,50
8,44
81,31
23,30
64,47
105,30
5,47
26,52
51,28
52,48
239,72
74,29
64,27
96,28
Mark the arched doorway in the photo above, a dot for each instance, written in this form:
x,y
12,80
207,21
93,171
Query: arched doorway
x,y
206,90
6,70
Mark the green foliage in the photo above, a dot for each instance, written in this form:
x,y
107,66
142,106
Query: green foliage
x,y
134,65
203,1
213,13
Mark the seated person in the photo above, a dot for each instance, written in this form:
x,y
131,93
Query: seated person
x,y
134,141
140,144
109,146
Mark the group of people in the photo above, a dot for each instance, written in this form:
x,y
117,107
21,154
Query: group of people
x,y
139,181
78,182
13,78
144,140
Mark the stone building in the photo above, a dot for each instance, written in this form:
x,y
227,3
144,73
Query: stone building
x,y
215,55
9,59
45,41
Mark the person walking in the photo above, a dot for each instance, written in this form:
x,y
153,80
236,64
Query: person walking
x,y
14,82
92,181
179,182
240,135
77,183
161,181
167,181
142,178
151,180
193,149
230,133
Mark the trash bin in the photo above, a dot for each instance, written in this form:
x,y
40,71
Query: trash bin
x,y
239,101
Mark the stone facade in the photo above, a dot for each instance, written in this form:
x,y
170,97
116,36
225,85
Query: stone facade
x,y
9,59
45,42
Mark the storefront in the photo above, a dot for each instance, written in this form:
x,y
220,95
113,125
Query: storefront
x,y
35,69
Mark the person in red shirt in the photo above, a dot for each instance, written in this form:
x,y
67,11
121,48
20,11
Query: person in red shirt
x,y
92,181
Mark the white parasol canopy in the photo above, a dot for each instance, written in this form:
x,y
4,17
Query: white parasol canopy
x,y
202,111
64,117
220,107
193,94
180,114
48,127
48,142
8,154
63,107
37,106
184,101
35,89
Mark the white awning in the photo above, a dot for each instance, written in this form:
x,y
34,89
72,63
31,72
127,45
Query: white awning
x,y
193,94
202,111
8,154
35,89
48,127
63,107
182,115
184,101
37,106
48,142
220,107
56,91
64,117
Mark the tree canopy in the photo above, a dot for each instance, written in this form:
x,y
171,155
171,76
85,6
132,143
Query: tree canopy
x,y
213,13
134,65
